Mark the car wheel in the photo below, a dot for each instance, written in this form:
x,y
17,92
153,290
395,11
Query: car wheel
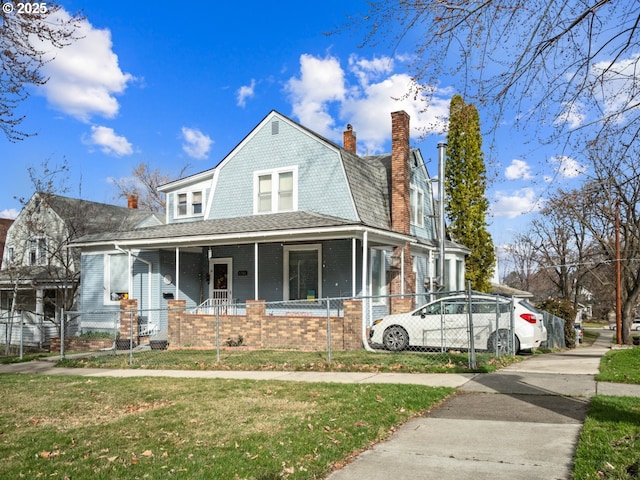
x,y
395,338
502,340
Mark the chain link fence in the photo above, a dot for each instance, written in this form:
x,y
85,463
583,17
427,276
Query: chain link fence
x,y
263,335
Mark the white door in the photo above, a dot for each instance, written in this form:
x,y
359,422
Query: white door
x,y
220,280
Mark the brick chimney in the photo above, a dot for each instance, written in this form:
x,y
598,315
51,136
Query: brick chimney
x,y
400,173
132,201
401,276
349,139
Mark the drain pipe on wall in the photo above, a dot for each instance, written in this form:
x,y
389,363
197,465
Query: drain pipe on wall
x,y
365,289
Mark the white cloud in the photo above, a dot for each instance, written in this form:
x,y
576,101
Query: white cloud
x,y
321,81
11,213
245,92
568,167
196,144
617,83
573,115
516,203
109,142
366,70
366,103
84,77
518,170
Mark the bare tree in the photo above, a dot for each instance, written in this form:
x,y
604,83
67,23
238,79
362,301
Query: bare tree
x,y
522,253
28,34
144,183
567,63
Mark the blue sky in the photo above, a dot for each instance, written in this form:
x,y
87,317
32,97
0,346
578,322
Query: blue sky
x,y
174,86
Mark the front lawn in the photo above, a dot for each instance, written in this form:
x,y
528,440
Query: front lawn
x,y
131,428
341,361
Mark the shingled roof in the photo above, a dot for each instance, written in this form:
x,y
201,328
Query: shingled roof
x,y
84,217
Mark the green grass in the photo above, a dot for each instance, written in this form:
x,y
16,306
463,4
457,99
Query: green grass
x,y
341,361
609,444
620,366
133,428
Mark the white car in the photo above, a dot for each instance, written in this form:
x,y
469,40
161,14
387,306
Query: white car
x,y
444,324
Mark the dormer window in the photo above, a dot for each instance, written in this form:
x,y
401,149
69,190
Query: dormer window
x,y
189,204
276,191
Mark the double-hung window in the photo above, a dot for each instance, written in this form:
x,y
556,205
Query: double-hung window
x,y
189,204
417,206
37,251
276,190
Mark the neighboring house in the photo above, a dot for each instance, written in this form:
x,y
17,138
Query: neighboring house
x,y
286,215
39,274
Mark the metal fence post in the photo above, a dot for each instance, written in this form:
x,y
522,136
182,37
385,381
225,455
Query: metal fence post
x,y
218,333
328,330
131,338
21,334
512,327
62,333
472,346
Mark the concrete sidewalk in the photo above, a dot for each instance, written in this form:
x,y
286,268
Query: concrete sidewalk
x,y
519,423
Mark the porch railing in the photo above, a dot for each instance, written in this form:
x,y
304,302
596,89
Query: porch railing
x,y
220,302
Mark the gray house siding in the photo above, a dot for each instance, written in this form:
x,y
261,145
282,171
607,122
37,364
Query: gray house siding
x,y
322,185
192,272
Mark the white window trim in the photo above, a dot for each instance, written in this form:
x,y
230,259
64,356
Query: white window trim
x,y
189,212
292,248
419,205
107,277
274,189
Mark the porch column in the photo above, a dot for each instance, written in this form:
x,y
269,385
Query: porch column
x,y
354,264
255,271
177,276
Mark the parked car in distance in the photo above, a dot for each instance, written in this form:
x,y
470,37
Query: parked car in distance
x,y
443,324
635,325
579,332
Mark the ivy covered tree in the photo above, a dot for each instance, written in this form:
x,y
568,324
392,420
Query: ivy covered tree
x,y
466,205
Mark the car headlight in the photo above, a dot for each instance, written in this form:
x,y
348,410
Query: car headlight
x,y
376,322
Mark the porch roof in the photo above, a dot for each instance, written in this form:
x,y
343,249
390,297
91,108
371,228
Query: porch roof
x,y
291,226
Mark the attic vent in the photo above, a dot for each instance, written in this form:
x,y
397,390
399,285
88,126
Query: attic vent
x,y
275,127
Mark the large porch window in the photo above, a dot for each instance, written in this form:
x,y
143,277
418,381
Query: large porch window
x,y
302,272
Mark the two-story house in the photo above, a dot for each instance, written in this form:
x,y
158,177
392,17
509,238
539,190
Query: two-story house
x,y
286,215
39,274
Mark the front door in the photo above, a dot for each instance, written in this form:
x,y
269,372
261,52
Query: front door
x,y
220,283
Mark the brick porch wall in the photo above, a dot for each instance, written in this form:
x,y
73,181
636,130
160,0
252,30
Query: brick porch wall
x,y
259,330
76,344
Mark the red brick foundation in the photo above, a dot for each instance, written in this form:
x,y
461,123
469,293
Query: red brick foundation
x,y
261,331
